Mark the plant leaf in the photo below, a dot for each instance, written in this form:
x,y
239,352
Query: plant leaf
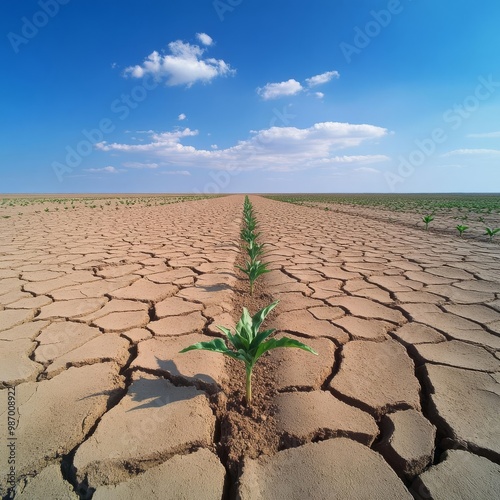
x,y
240,341
244,327
215,345
237,341
260,316
282,342
261,337
224,330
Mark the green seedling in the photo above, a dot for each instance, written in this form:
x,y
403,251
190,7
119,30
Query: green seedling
x,y
253,270
427,220
248,235
255,250
249,344
491,232
251,224
461,229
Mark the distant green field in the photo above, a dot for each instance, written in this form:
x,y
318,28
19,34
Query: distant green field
x,y
422,203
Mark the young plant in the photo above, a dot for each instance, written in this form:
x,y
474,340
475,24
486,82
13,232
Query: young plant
x,y
248,235
253,270
254,250
461,229
491,232
249,344
251,224
427,220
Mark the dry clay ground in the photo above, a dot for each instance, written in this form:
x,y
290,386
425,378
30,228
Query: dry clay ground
x,y
94,307
445,220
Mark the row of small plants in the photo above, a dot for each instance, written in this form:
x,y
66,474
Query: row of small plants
x,y
254,267
248,343
461,228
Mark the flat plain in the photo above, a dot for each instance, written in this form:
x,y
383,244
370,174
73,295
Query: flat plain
x,y
97,301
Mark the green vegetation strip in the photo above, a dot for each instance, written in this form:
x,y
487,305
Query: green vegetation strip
x,y
253,267
424,203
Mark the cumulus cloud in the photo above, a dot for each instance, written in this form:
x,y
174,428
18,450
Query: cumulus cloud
x,y
137,164
321,79
177,172
275,148
181,117
275,90
162,140
204,39
471,152
183,66
108,169
293,87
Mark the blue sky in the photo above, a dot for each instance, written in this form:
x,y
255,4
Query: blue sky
x,y
203,96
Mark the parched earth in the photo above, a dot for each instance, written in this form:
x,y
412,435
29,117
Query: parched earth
x,y
96,401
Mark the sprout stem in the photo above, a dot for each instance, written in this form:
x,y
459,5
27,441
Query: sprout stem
x,y
249,385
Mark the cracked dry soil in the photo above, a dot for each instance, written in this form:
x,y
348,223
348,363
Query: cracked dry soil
x,y
94,309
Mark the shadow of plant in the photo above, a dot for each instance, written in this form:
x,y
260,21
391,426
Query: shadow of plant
x,y
158,392
168,366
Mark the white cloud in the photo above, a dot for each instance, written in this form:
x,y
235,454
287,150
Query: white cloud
x,y
160,140
109,170
137,164
275,148
204,39
183,66
470,152
322,79
181,117
292,86
275,90
486,135
214,146
177,172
